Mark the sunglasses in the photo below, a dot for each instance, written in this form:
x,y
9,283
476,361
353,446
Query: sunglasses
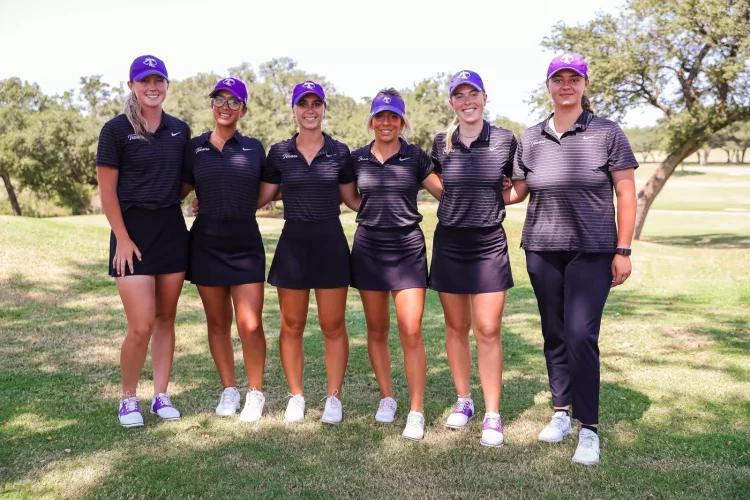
x,y
220,101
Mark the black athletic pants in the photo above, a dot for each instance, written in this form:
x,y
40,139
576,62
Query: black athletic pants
x,y
571,289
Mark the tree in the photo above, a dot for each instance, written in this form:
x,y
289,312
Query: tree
x,y
515,127
645,140
687,58
428,110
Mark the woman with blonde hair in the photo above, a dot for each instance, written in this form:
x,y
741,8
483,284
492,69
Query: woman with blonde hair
x,y
389,256
470,265
139,168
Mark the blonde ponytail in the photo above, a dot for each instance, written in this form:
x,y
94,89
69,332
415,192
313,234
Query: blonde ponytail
x,y
449,136
132,111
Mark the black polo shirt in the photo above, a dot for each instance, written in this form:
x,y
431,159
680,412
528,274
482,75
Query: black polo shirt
x,y
226,182
310,192
570,183
389,190
473,177
150,173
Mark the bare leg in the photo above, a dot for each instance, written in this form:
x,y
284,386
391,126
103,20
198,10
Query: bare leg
x,y
218,307
293,304
248,306
409,309
377,315
331,311
457,311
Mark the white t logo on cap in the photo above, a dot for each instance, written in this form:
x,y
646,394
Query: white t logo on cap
x,y
387,100
149,61
229,82
308,85
464,75
567,58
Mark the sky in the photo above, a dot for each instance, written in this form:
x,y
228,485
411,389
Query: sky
x,y
360,47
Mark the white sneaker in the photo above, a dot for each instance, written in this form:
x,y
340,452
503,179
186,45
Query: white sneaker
x,y
587,452
462,413
229,402
161,405
332,414
386,410
414,429
295,409
253,409
130,412
558,428
492,431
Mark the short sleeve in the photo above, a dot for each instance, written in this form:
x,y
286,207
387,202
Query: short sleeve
x,y
435,156
108,149
620,154
425,167
508,167
188,175
519,169
271,173
346,174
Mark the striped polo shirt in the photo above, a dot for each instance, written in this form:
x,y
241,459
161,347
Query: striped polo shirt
x,y
389,190
150,173
570,183
226,182
473,177
310,192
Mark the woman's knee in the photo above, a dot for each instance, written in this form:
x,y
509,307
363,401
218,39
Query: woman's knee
x,y
249,328
140,332
333,328
411,336
487,333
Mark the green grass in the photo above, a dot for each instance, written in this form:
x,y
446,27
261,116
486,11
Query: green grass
x,y
674,412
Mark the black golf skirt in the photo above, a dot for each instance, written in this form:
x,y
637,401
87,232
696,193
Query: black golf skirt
x,y
162,237
389,259
311,255
470,260
226,252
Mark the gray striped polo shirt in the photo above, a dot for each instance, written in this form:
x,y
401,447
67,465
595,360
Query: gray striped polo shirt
x,y
570,184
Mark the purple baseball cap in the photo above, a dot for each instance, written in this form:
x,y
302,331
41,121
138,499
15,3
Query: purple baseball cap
x,y
308,87
233,85
468,77
147,65
387,103
571,61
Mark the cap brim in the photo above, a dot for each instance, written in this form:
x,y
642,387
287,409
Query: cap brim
x,y
299,97
467,83
215,92
143,74
574,70
387,107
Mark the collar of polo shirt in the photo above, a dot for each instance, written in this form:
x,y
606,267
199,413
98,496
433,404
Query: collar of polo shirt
x,y
581,123
328,145
484,135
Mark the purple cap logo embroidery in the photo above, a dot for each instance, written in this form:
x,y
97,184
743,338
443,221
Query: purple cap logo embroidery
x,y
570,61
308,87
387,103
466,77
387,100
153,66
236,87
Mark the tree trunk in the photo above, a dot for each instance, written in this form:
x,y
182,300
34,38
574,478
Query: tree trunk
x,y
704,159
653,187
742,156
11,193
729,155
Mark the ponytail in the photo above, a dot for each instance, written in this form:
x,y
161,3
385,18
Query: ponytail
x,y
449,136
132,111
586,104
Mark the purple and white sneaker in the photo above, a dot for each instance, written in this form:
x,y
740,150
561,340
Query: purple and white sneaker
x,y
162,406
492,430
130,412
462,413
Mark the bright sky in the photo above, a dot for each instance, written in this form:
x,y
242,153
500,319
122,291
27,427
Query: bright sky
x,y
359,46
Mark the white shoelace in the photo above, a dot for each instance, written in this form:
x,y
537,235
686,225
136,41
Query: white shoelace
x,y
333,402
494,422
297,400
387,404
587,441
253,400
415,420
131,403
462,404
559,421
227,396
164,398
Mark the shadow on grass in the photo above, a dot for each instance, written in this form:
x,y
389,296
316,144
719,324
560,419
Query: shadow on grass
x,y
712,240
687,173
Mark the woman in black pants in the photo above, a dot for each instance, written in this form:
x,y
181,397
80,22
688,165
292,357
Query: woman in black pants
x,y
575,252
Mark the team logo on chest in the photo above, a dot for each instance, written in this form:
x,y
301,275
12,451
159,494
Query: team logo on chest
x,y
150,61
287,156
198,150
134,137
